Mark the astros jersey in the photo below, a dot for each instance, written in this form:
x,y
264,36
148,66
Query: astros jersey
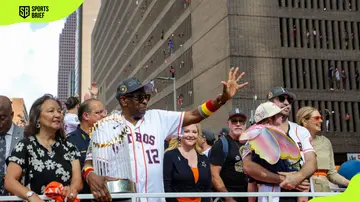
x,y
146,145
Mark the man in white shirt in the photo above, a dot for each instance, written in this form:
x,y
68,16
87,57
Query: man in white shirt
x,y
208,139
301,136
147,130
10,134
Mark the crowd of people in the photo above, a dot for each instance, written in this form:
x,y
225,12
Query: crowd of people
x,y
57,148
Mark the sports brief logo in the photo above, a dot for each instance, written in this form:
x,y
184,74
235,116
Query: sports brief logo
x,y
35,11
24,11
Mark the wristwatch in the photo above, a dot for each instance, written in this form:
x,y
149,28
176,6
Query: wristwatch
x,y
29,194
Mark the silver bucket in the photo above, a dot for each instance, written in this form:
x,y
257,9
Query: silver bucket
x,y
121,186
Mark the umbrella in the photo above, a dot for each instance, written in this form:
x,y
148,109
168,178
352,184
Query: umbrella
x,y
270,143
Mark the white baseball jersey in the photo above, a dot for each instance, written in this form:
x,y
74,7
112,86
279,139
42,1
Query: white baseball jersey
x,y
71,122
302,137
146,145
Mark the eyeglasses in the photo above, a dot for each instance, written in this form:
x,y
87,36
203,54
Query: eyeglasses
x,y
140,98
318,118
101,112
235,121
283,98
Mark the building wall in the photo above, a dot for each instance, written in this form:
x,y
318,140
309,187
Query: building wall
x,y
20,113
264,44
90,9
66,57
256,35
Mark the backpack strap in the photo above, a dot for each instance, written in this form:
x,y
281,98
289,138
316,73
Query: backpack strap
x,y
225,145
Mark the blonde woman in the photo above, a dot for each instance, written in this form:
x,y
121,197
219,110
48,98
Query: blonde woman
x,y
311,119
185,168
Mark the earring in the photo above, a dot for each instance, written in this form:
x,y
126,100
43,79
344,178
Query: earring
x,y
38,124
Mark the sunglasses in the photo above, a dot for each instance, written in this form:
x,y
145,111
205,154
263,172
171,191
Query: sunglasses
x,y
235,121
318,118
283,98
140,98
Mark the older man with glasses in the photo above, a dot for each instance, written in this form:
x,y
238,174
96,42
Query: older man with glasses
x,y
301,136
226,163
89,112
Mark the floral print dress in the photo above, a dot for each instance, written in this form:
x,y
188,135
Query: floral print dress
x,y
41,166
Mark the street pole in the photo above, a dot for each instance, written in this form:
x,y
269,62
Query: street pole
x,y
174,85
174,88
252,117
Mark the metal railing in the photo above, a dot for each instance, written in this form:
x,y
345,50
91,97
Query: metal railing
x,y
135,196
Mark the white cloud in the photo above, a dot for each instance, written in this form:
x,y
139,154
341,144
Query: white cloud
x,y
29,60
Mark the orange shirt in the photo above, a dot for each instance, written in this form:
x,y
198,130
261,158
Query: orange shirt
x,y
195,172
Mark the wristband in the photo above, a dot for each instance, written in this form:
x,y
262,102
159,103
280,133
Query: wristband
x,y
87,171
207,109
86,178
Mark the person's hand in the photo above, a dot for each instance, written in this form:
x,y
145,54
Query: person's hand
x,y
94,89
70,193
304,186
231,86
35,198
98,186
291,181
230,199
87,96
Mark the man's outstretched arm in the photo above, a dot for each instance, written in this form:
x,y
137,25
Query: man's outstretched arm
x,y
230,87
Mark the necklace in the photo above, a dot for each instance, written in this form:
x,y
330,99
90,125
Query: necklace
x,y
237,144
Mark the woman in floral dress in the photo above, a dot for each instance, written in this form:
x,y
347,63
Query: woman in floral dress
x,y
43,155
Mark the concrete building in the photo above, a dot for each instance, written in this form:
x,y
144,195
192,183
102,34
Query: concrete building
x,y
21,116
67,49
89,12
289,43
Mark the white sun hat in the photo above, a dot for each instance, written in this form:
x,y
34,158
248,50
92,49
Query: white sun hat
x,y
266,110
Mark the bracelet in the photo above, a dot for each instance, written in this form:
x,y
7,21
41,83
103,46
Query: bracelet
x,y
207,109
87,171
86,178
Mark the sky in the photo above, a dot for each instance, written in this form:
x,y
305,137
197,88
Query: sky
x,y
29,56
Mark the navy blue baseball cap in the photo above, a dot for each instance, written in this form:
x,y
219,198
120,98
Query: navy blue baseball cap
x,y
130,85
236,112
277,91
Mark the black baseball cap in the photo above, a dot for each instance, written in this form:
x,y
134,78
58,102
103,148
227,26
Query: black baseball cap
x,y
130,85
208,135
236,112
277,91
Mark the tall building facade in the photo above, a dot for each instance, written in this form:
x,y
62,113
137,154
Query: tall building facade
x,y
89,12
289,43
67,57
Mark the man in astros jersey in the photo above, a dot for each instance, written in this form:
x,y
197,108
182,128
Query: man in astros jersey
x,y
147,131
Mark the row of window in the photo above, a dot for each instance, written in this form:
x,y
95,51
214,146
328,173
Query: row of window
x,y
320,34
122,30
184,98
101,20
182,64
121,60
320,74
160,57
338,5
